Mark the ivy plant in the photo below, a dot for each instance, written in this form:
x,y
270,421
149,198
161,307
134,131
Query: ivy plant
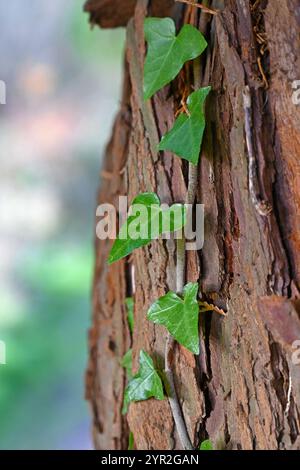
x,y
147,221
126,362
179,315
130,315
131,441
167,52
145,384
206,445
185,138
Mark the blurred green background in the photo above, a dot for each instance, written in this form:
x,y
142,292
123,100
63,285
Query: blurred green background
x,y
63,86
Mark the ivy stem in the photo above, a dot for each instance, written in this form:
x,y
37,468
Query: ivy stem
x,y
180,264
180,282
192,184
199,5
170,343
173,398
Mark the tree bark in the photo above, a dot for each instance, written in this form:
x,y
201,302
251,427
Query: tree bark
x,y
243,391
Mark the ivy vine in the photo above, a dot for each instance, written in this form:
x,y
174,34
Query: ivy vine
x,y
177,311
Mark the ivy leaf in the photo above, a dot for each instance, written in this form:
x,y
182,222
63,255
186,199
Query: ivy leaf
x,y
131,441
147,222
185,138
179,316
126,362
130,316
206,445
146,383
125,406
167,52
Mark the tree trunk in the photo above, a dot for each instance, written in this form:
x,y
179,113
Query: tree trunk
x,y
243,391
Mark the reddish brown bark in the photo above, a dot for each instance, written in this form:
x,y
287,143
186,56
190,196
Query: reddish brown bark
x,y
237,391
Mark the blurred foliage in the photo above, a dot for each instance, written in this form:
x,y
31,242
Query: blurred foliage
x,y
45,347
91,42
45,299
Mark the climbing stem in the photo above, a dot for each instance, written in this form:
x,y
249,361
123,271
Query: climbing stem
x,y
181,271
169,353
172,396
171,343
180,264
202,6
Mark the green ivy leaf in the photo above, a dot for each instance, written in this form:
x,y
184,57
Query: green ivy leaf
x,y
129,302
131,441
125,406
126,362
179,316
206,445
147,222
185,138
146,383
167,52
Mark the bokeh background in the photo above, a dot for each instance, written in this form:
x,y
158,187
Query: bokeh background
x,y
63,87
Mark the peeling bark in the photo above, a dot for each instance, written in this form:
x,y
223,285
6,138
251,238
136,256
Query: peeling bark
x,y
243,391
